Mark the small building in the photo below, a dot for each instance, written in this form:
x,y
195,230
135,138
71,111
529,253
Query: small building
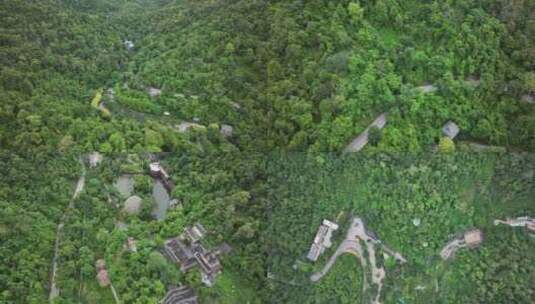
x,y
102,275
186,126
450,129
180,295
103,278
322,240
314,252
129,44
174,203
94,159
330,224
100,264
473,238
427,88
195,233
131,244
154,92
157,171
226,130
530,226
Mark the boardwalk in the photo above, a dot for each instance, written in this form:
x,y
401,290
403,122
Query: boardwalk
x,y
358,143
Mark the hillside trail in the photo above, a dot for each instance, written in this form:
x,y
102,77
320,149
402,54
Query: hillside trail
x,y
54,290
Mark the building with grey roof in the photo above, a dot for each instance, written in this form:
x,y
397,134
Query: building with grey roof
x,y
188,251
322,240
180,295
450,129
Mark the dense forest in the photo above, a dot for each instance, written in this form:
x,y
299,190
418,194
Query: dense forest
x,y
249,105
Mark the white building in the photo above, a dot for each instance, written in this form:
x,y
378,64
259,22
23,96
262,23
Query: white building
x,y
322,240
450,129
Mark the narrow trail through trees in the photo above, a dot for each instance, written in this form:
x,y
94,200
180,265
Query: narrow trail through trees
x,y
54,290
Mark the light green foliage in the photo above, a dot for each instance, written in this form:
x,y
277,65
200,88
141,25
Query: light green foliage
x,y
446,145
355,11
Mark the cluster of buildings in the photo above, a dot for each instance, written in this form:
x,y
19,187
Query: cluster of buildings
x,y
322,240
188,251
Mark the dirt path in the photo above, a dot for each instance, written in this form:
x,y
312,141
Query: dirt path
x,y
115,296
352,245
54,290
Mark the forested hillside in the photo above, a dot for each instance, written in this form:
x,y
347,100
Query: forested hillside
x,y
245,102
302,75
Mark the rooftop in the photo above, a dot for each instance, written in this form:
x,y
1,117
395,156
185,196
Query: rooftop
x,y
450,129
103,278
322,239
180,295
188,251
473,238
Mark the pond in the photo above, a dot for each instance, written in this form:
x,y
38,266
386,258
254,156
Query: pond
x,y
161,197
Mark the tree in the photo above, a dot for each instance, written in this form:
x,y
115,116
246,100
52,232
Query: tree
x,y
446,145
355,11
374,135
117,142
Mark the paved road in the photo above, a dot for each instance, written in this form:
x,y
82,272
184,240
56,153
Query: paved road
x,y
358,143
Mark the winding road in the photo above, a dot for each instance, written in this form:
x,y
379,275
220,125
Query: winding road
x,y
352,245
